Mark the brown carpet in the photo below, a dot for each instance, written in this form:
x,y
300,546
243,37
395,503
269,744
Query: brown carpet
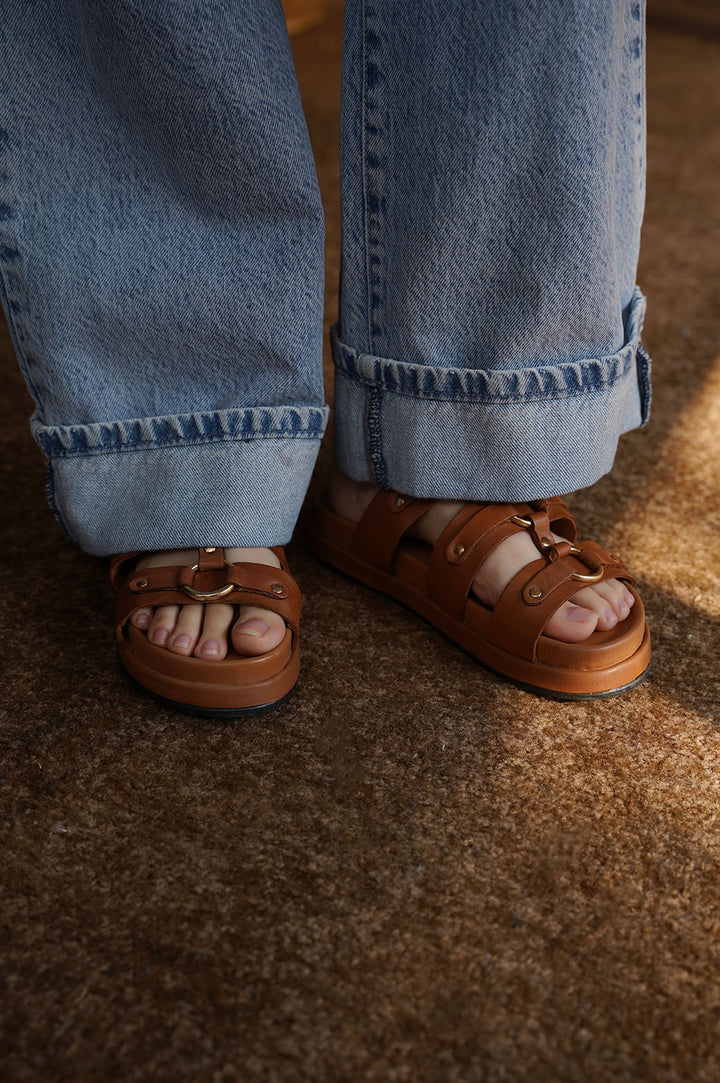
x,y
412,872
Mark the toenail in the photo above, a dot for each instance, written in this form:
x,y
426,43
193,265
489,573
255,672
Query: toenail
x,y
629,598
210,646
181,641
575,612
142,620
610,617
159,636
253,627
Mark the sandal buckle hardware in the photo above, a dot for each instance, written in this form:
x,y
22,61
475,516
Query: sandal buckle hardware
x,y
594,576
209,595
546,544
548,547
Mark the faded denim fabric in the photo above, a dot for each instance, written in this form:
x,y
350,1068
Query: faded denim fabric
x,y
161,240
161,247
492,181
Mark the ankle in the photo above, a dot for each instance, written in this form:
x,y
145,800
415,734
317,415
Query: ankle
x,y
347,497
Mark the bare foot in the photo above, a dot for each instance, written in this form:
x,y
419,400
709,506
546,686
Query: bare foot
x,y
202,630
598,607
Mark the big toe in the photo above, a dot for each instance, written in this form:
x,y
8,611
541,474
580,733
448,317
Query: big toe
x,y
257,631
571,623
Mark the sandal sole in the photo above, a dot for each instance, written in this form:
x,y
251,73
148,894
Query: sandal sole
x,y
208,712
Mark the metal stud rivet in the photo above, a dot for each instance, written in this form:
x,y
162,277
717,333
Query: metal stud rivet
x,y
535,592
276,588
141,583
458,550
546,543
400,501
210,550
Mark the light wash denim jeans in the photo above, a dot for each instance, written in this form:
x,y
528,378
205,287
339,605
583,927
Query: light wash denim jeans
x,y
161,239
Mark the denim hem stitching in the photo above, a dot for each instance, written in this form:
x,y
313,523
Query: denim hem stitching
x,y
541,383
150,445
493,400
185,430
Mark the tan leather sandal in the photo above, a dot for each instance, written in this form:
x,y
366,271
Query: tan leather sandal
x,y
235,685
507,638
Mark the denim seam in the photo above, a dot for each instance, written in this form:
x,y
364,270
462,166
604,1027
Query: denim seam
x,y
51,499
373,203
365,182
154,445
373,424
13,308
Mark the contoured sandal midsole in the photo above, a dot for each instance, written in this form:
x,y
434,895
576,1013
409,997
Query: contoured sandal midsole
x,y
237,681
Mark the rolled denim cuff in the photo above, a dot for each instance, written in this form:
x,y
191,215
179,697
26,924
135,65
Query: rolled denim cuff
x,y
492,435
228,477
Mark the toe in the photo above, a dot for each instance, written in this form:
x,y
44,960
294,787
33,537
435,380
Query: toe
x,y
187,630
592,599
213,642
162,624
257,630
572,623
141,617
616,595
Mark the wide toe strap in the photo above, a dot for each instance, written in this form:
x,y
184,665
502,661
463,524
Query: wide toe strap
x,y
538,590
211,579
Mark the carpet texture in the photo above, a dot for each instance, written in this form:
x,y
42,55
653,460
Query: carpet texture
x,y
411,872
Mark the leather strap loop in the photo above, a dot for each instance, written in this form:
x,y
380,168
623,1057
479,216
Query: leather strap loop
x,y
210,557
541,531
558,514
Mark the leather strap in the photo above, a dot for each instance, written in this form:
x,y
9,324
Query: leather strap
x,y
474,533
252,584
554,512
212,557
540,588
461,549
381,528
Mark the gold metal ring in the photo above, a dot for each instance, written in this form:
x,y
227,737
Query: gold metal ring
x,y
520,521
593,577
209,595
